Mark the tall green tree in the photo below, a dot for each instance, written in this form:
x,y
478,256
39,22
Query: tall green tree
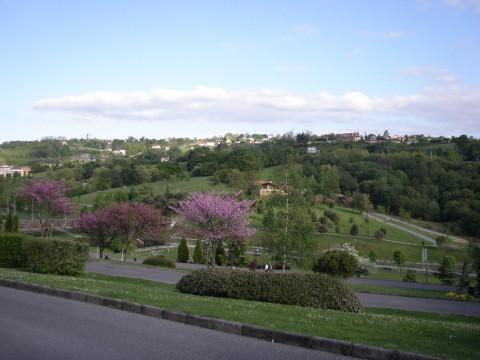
x,y
329,182
220,254
291,236
398,258
183,255
446,271
198,257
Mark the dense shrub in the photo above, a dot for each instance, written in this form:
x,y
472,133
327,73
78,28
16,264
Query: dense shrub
x,y
220,254
410,276
183,254
379,235
55,256
354,230
332,215
12,253
312,290
322,228
159,260
198,257
336,263
446,270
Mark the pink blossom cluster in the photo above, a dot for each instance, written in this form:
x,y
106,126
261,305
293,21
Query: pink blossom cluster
x,y
217,216
47,195
131,220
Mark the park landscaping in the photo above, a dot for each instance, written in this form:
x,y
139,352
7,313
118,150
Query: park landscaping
x,y
454,337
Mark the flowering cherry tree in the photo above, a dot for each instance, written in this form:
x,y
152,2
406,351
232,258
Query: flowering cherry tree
x,y
48,199
102,226
215,218
126,222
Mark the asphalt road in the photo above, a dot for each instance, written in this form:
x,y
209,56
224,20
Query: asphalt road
x,y
420,304
382,219
36,326
368,300
401,284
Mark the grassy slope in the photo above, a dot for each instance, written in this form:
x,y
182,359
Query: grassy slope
x,y
368,229
159,188
449,336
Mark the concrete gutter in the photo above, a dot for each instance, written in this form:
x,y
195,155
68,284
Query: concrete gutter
x,y
311,342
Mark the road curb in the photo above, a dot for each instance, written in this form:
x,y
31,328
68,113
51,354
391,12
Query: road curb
x,y
305,341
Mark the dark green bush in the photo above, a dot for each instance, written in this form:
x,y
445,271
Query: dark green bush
x,y
198,257
332,215
183,254
55,256
220,254
354,230
12,253
322,228
310,290
159,260
336,263
410,276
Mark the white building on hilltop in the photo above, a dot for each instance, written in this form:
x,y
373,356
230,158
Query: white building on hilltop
x,y
7,170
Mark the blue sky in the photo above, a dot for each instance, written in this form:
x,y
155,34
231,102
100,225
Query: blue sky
x,y
197,68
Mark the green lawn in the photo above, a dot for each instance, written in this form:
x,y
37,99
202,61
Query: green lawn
x,y
384,250
455,337
159,187
368,229
387,274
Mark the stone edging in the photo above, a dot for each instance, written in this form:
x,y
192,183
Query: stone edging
x,y
311,342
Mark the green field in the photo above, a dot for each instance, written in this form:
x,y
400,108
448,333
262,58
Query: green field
x,y
160,187
384,249
454,337
368,228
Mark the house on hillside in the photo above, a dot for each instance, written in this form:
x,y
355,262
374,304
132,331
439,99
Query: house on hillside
x,y
7,170
312,150
267,187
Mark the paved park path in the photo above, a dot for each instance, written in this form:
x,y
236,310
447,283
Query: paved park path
x,y
398,224
368,300
37,326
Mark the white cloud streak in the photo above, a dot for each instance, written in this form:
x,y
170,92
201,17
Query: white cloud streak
x,y
464,4
436,107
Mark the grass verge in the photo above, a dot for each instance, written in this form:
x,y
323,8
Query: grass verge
x,y
450,336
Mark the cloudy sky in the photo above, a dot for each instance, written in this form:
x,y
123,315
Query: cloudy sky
x,y
115,69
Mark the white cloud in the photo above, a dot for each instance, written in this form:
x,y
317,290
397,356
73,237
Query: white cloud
x,y
290,68
458,4
436,107
464,4
305,29
432,73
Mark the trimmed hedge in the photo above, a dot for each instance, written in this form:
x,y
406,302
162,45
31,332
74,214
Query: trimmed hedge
x,y
159,260
336,263
55,256
310,290
12,254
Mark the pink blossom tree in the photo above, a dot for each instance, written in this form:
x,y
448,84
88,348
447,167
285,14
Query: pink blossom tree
x,y
138,220
216,218
48,199
125,222
102,226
